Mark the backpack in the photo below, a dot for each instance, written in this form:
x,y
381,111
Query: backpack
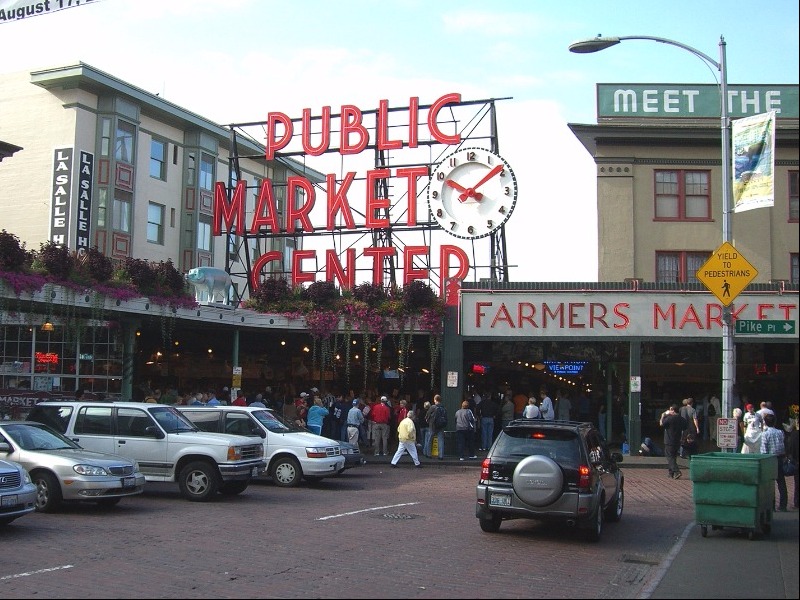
x,y
440,420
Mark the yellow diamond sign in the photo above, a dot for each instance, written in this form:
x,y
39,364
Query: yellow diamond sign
x,y
726,273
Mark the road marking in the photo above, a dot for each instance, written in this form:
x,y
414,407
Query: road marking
x,y
355,512
38,572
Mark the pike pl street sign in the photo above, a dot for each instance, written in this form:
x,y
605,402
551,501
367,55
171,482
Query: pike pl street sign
x,y
765,327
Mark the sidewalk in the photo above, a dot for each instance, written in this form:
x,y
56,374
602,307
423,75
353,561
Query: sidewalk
x,y
766,567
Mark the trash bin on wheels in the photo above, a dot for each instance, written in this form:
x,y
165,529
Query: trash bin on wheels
x,y
734,490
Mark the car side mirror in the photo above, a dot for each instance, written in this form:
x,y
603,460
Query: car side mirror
x,y
5,447
155,432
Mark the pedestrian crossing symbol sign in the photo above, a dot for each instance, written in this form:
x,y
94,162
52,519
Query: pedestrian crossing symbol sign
x,y
726,273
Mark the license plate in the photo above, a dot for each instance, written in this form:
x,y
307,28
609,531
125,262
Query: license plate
x,y
255,471
128,482
500,500
10,500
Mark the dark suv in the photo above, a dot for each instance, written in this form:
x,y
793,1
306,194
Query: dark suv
x,y
546,470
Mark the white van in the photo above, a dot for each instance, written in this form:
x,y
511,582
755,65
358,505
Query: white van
x,y
290,454
164,443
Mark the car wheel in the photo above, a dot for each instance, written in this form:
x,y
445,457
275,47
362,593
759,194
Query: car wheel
x,y
538,480
108,502
234,487
595,525
492,524
198,481
614,510
48,492
286,472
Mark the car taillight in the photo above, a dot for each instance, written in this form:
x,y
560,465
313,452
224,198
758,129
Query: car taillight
x,y
486,465
584,474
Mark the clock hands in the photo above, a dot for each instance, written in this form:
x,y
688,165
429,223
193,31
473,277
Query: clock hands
x,y
471,192
456,186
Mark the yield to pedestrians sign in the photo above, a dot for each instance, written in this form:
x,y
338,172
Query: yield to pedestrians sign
x,y
726,273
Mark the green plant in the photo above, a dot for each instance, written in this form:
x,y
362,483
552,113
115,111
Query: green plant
x,y
98,266
56,259
13,255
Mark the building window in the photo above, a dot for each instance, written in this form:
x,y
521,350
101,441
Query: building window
x,y
105,137
124,142
206,172
682,196
121,211
158,159
102,206
204,234
795,276
679,267
155,223
793,194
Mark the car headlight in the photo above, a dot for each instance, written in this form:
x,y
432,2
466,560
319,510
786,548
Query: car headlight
x,y
347,450
90,470
26,476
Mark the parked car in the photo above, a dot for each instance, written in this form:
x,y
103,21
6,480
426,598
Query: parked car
x,y
291,453
167,446
63,471
17,492
539,469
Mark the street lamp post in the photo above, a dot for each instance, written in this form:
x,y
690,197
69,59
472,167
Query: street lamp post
x,y
728,347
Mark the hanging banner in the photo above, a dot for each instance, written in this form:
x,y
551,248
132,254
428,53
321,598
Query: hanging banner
x,y
753,162
16,10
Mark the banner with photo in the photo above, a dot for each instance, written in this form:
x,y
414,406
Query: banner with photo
x,y
753,162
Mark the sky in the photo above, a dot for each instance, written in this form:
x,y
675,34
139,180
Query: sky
x,y
234,61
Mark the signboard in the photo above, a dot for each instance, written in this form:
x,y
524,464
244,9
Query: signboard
x,y
766,327
727,433
726,273
452,379
61,196
636,384
237,378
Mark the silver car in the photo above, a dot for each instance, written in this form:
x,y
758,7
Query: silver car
x,y
63,471
17,493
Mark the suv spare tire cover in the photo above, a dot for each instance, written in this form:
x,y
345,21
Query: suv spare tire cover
x,y
538,480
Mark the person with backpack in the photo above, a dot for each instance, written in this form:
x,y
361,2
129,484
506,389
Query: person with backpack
x,y
436,418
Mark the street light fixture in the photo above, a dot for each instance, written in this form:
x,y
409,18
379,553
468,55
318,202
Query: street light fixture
x,y
728,348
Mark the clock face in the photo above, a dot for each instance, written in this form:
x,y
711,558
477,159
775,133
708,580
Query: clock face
x,y
472,193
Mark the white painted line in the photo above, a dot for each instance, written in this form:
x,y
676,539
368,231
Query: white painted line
x,y
38,572
355,512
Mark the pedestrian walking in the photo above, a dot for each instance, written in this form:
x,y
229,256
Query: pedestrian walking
x,y
381,414
465,431
355,418
673,424
546,405
772,443
316,416
487,410
407,440
689,413
436,418
531,411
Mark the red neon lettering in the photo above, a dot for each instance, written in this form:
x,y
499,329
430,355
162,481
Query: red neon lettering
x,y
351,124
502,315
618,310
445,252
409,272
787,310
668,315
378,254
325,132
411,175
573,315
374,204
479,313
761,310
266,212
597,314
298,275
334,270
713,315
433,114
299,213
232,214
259,264
337,201
273,144
413,122
526,311
557,314
382,127
690,316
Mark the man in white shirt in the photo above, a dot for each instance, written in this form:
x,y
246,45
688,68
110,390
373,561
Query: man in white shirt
x,y
546,405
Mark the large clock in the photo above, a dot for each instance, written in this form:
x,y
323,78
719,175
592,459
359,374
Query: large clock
x,y
472,192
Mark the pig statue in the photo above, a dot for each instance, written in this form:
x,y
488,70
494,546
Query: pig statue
x,y
211,281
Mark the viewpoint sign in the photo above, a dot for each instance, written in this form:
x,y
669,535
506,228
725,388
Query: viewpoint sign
x,y
726,273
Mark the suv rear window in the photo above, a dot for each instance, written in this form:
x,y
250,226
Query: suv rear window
x,y
561,446
55,416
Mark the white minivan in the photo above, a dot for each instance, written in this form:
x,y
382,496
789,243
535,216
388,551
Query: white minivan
x,y
291,455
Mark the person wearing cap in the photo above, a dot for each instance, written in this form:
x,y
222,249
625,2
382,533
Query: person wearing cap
x,y
406,440
381,413
355,418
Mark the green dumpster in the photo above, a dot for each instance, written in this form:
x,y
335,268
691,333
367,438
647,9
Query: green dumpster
x,y
734,490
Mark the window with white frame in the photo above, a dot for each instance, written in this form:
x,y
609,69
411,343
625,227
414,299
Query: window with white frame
x,y
121,211
679,267
158,159
204,234
682,196
155,223
206,172
124,141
